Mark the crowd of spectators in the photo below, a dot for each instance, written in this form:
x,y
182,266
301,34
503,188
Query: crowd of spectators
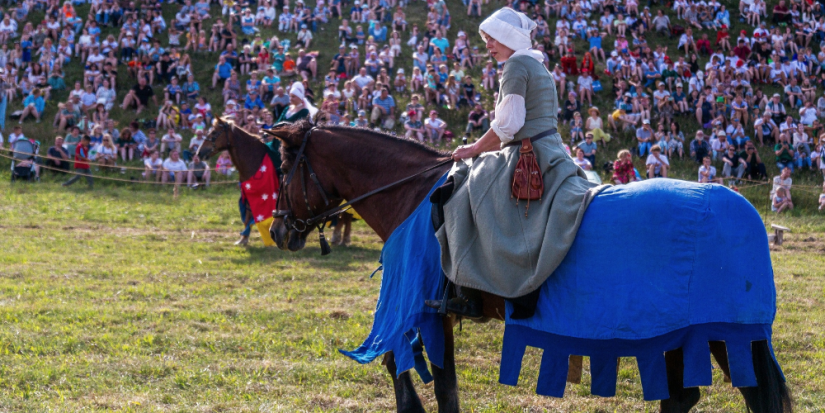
x,y
600,52
719,83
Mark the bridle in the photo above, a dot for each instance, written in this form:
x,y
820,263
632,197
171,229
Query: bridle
x,y
225,128
319,221
290,221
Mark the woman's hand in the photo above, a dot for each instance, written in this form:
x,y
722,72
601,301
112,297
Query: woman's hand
x,y
465,152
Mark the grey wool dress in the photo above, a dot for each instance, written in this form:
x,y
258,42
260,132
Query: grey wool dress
x,y
487,242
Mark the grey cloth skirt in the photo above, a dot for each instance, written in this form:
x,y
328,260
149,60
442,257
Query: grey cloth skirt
x,y
488,243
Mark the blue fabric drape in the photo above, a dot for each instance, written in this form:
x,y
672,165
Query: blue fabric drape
x,y
3,102
656,256
412,274
649,354
656,265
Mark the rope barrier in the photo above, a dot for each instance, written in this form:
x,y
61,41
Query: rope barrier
x,y
751,186
754,183
813,190
134,168
132,181
771,183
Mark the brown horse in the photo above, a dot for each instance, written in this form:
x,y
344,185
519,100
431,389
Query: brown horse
x,y
349,162
247,151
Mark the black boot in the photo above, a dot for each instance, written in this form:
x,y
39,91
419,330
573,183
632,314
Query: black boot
x,y
466,303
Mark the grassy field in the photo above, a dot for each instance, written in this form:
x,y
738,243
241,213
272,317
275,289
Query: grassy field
x,y
127,300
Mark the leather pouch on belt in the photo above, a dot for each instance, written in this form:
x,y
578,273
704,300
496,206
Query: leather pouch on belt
x,y
528,183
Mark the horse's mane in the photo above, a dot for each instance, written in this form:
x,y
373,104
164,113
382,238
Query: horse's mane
x,y
303,126
235,127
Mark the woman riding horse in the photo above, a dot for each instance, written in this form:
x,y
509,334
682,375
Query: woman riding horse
x,y
486,243
483,240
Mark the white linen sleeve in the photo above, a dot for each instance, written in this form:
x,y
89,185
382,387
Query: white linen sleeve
x,y
510,114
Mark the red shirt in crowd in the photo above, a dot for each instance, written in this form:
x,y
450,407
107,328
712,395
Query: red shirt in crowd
x,y
623,171
81,155
742,52
569,65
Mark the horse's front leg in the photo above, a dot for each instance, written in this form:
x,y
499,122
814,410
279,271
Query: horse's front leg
x,y
406,399
681,399
446,383
346,240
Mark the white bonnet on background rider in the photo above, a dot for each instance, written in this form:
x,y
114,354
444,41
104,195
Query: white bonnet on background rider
x,y
297,90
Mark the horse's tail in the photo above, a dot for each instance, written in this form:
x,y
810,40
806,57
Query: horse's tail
x,y
772,394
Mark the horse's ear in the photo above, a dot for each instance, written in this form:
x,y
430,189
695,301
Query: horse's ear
x,y
283,133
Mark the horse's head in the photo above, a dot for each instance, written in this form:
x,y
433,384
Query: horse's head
x,y
307,188
217,139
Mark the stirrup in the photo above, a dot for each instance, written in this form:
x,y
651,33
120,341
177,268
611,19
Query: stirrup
x,y
442,307
458,305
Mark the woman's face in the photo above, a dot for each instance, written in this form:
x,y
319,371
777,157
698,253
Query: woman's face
x,y
497,50
295,100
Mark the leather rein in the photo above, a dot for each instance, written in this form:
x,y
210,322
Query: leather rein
x,y
320,220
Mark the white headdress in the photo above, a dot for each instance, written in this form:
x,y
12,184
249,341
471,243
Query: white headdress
x,y
509,28
297,90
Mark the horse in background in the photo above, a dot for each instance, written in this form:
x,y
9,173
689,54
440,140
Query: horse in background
x,y
247,151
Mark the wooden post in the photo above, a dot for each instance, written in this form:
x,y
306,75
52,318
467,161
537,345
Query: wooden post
x,y
574,369
778,232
